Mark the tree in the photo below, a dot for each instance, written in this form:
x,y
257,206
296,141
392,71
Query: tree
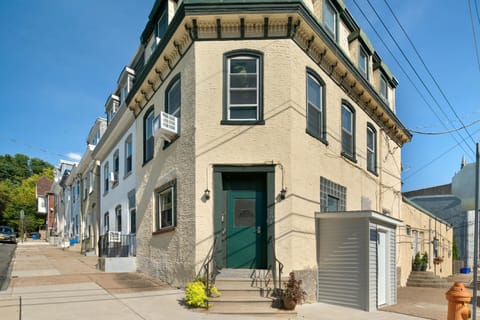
x,y
18,178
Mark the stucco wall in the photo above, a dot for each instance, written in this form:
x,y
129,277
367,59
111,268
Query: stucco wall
x,y
283,140
169,256
419,221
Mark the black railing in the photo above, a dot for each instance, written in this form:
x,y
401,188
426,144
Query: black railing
x,y
277,269
114,244
209,269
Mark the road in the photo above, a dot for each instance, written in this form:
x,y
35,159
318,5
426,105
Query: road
x,y
6,253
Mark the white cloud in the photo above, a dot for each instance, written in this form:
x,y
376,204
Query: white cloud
x,y
74,156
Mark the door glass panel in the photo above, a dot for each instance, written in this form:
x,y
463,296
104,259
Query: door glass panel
x,y
245,212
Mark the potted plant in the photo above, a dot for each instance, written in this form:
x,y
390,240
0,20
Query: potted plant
x,y
424,262
437,260
417,262
293,293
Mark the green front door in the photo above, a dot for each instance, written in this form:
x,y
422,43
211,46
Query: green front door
x,y
246,226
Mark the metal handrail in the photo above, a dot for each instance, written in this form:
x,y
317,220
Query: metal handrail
x,y
277,277
209,259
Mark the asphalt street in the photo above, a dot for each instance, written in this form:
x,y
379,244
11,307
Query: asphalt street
x,y
6,253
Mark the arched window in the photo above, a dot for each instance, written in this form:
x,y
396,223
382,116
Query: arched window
x,y
243,87
316,125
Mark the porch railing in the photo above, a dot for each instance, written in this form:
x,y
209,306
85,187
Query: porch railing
x,y
115,244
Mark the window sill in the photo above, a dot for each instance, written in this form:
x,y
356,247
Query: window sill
x,y
321,139
164,230
375,173
128,174
242,122
349,157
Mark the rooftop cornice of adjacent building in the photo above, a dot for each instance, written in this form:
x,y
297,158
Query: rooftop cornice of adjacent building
x,y
96,126
122,121
86,161
303,28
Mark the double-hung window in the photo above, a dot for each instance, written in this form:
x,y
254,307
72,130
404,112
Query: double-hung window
x,y
106,174
243,83
315,106
348,131
118,218
148,137
330,18
371,149
116,166
128,155
383,88
363,62
165,207
106,223
173,100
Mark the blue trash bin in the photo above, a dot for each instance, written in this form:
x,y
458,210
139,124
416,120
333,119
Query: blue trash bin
x,y
34,236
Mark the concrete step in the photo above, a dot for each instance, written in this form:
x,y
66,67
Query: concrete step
x,y
245,292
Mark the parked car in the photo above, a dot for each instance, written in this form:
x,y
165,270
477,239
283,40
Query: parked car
x,y
7,234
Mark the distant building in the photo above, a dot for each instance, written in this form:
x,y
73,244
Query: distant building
x,y
46,202
440,201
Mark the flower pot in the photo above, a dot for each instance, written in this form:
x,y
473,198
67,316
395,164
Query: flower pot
x,y
424,267
289,303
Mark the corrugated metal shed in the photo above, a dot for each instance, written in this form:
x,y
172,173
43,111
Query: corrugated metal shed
x,y
348,258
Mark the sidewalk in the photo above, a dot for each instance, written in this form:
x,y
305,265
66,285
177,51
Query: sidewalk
x,y
53,283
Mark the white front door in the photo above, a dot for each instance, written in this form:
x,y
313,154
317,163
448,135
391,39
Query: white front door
x,y
382,268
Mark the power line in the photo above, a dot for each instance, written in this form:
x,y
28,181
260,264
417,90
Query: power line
x,y
408,76
445,132
473,30
423,63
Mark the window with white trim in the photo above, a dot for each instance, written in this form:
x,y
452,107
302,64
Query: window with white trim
x,y
363,61
116,166
383,88
128,155
118,218
106,174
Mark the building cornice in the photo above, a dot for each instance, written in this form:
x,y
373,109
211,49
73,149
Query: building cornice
x,y
207,21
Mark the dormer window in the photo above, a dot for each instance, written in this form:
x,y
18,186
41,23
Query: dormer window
x,y
96,138
330,18
125,83
111,107
363,61
383,88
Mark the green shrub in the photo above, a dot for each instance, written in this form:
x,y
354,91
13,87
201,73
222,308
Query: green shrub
x,y
195,294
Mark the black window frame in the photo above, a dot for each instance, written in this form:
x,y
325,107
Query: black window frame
x,y
158,228
116,166
176,79
128,157
147,156
106,178
227,57
118,218
349,154
322,136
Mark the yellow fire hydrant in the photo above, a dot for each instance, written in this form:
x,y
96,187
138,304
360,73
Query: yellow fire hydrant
x,y
458,297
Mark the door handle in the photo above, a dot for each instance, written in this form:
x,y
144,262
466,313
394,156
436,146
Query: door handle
x,y
259,230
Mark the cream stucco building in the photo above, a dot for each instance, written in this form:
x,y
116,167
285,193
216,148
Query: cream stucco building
x,y
281,109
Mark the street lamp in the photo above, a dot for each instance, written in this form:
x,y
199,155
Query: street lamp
x,y
462,187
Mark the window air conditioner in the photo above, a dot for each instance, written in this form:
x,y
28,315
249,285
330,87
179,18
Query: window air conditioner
x,y
113,177
166,125
114,236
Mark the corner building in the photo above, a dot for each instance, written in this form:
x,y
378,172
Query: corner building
x,y
251,117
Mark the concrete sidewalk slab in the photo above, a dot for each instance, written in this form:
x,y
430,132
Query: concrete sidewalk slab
x,y
67,285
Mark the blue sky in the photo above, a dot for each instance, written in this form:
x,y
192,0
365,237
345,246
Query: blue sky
x,y
61,60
